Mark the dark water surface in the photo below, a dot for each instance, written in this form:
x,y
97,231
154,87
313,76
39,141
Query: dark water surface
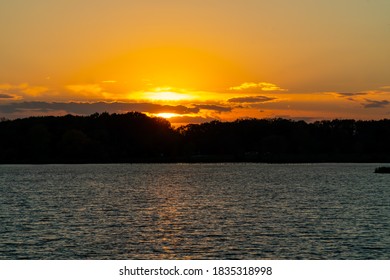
x,y
194,211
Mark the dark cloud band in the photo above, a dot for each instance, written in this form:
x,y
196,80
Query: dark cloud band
x,y
6,96
375,103
251,99
90,108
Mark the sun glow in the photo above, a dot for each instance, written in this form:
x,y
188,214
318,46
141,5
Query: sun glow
x,y
167,115
167,96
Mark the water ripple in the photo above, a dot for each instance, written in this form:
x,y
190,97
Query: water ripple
x,y
194,211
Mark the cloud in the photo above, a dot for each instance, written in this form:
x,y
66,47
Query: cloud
x,y
361,97
215,108
34,90
23,89
256,87
376,103
6,96
351,94
251,99
105,90
90,108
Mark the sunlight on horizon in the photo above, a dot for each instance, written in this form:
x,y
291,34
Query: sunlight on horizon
x,y
167,115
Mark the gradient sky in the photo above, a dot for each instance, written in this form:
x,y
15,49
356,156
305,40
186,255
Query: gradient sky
x,y
195,61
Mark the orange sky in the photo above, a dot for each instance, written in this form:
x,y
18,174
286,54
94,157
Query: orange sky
x,y
196,61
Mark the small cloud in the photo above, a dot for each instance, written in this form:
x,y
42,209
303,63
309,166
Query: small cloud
x,y
215,108
351,94
157,108
104,90
6,96
109,82
24,89
386,87
375,103
256,87
251,99
33,90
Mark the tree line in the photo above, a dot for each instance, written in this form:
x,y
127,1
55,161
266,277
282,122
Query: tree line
x,y
136,137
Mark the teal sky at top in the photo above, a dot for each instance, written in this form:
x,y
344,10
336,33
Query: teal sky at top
x,y
302,45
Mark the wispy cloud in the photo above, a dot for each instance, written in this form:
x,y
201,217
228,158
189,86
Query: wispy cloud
x,y
375,103
6,96
34,90
351,94
23,89
215,108
256,87
251,99
105,90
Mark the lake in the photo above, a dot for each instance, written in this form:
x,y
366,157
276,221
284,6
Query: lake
x,y
194,211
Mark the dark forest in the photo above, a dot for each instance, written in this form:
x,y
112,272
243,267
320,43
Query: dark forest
x,y
135,137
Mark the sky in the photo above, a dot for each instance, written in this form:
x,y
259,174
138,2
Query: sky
x,y
195,61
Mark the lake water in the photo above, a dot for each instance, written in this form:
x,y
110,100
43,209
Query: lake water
x,y
194,211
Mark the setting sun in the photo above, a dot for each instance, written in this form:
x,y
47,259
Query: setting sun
x,y
167,115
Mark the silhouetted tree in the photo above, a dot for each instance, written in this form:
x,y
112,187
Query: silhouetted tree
x,y
135,137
